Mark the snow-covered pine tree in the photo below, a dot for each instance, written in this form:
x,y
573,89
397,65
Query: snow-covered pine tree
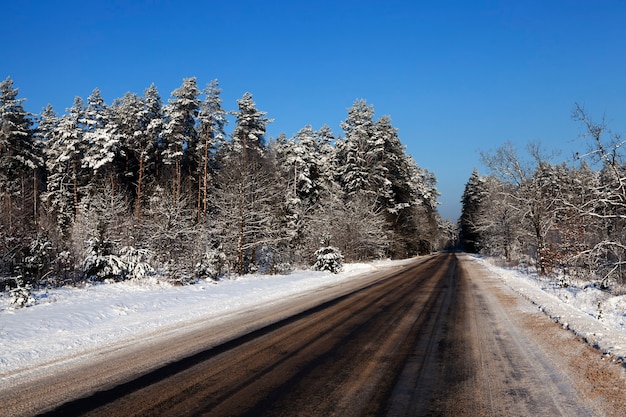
x,y
47,123
247,193
179,134
303,163
20,160
99,230
328,258
103,138
20,163
126,115
473,197
248,137
324,139
292,217
67,176
152,120
139,121
371,161
58,194
351,152
212,119
300,166
390,165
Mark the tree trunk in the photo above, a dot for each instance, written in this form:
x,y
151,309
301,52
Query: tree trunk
x,y
178,179
139,182
75,182
202,180
240,246
35,196
205,190
10,211
541,267
199,208
295,180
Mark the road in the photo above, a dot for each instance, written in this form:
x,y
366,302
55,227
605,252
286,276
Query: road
x,y
437,337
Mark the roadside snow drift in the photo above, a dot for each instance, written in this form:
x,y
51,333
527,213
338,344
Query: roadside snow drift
x,y
594,315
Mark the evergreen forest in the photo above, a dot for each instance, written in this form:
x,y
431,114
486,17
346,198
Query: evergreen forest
x,y
185,190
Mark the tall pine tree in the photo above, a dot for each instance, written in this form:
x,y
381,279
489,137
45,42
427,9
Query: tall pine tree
x,y
180,137
212,119
20,158
471,211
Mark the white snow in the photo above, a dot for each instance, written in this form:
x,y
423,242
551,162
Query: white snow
x,y
595,316
67,322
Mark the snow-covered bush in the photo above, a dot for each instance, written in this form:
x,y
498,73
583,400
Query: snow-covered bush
x,y
100,263
211,264
37,259
21,296
136,262
64,269
328,258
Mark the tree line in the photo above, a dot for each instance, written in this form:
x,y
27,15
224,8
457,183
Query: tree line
x,y
140,187
565,219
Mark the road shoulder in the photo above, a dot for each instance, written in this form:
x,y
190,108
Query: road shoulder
x,y
600,383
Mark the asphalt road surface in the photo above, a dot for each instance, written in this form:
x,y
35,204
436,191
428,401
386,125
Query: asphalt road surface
x,y
437,337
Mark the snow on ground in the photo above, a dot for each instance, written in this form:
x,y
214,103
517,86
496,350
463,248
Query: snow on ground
x,y
69,321
596,316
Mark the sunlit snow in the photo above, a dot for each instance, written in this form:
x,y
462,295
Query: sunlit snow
x,y
596,316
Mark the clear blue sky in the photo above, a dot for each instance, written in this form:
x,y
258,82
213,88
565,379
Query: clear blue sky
x,y
456,77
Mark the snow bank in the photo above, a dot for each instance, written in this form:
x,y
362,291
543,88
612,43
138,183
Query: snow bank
x,y
593,315
66,322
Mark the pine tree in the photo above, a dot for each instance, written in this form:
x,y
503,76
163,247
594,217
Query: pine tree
x,y
152,123
72,147
212,119
247,192
139,121
248,137
20,162
371,160
47,125
395,191
302,165
20,157
324,139
102,138
179,133
67,176
472,202
353,170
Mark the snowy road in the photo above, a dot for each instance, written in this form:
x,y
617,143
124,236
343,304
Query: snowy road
x,y
438,337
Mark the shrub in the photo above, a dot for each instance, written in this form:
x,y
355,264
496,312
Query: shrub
x,y
328,258
21,295
211,264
